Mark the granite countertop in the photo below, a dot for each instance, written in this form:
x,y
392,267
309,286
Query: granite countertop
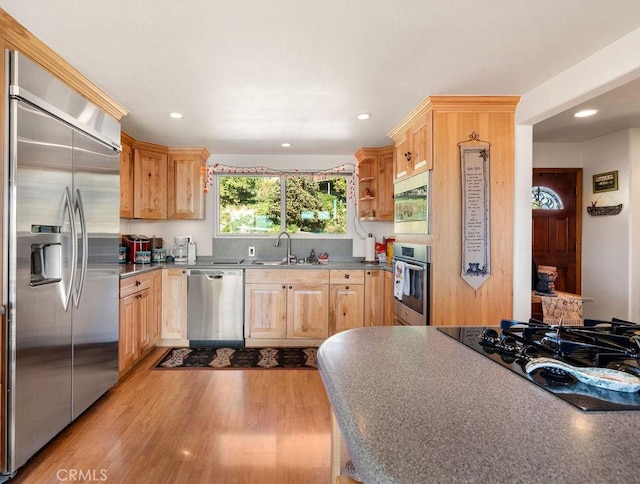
x,y
414,405
127,270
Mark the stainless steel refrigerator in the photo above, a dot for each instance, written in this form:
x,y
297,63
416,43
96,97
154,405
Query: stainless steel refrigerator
x,y
61,268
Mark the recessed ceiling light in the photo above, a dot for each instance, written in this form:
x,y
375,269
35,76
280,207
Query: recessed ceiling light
x,y
586,112
363,116
286,145
176,115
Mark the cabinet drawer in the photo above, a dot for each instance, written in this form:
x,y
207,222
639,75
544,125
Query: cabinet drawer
x,y
287,276
337,276
133,284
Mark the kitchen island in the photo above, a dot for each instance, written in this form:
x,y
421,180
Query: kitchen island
x,y
414,406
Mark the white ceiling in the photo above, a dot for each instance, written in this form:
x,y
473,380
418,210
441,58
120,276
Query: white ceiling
x,y
249,75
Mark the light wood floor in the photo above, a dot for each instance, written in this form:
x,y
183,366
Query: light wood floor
x,y
196,426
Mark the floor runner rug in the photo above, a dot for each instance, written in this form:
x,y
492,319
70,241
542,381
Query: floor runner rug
x,y
238,358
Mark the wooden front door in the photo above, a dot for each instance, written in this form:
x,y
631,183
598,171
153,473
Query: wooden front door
x,y
557,232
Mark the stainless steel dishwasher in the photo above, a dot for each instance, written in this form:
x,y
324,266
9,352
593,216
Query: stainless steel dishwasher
x,y
215,307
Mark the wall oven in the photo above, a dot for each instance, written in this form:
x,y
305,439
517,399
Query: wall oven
x,y
411,284
411,205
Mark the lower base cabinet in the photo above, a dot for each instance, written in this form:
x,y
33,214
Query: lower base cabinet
x,y
347,307
388,298
174,307
374,298
360,298
139,318
286,306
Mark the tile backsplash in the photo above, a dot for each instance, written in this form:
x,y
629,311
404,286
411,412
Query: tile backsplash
x,y
338,249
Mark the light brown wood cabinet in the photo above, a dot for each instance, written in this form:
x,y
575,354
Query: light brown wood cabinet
x,y
388,298
126,176
186,183
154,327
149,181
159,183
431,133
375,183
266,310
139,318
286,306
346,304
374,298
413,146
174,307
347,307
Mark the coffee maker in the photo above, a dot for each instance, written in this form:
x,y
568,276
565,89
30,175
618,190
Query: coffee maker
x,y
180,250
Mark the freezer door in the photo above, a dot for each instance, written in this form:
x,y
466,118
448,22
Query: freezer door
x,y
96,201
40,270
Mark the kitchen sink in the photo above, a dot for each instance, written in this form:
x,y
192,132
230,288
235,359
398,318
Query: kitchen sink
x,y
269,263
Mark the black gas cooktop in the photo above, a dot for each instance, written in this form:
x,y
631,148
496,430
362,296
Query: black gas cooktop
x,y
605,344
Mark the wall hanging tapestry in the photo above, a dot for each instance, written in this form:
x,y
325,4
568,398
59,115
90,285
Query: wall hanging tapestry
x,y
476,248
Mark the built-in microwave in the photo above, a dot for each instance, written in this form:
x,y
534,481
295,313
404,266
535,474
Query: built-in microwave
x,y
411,204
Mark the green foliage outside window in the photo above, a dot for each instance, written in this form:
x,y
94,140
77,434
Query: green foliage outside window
x,y
253,204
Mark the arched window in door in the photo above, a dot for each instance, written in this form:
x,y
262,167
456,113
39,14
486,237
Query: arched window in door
x,y
544,198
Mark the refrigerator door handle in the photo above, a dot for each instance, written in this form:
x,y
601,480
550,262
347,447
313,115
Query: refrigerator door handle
x,y
77,288
68,206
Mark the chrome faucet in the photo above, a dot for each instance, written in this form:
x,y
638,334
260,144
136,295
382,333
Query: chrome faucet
x,y
277,244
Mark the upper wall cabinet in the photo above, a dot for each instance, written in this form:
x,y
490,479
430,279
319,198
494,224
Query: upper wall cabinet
x,y
126,176
413,145
159,183
149,181
375,184
186,181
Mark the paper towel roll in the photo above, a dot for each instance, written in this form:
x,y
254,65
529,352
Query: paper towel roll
x,y
370,248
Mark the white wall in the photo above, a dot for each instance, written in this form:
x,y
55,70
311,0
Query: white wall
x,y
606,250
606,69
634,211
202,230
557,155
522,225
606,240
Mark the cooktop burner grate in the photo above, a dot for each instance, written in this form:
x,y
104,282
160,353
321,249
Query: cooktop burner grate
x,y
604,344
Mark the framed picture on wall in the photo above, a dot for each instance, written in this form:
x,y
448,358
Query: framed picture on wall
x,y
605,182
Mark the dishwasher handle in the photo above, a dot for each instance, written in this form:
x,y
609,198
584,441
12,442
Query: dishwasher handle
x,y
213,274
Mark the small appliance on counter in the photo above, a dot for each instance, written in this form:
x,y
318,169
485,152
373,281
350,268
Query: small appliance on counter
x,y
158,255
191,251
180,251
155,243
134,244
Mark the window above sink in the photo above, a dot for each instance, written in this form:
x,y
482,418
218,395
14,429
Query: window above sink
x,y
299,203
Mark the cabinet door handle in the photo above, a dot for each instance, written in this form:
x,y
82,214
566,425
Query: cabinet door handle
x,y
346,276
407,155
290,287
284,287
347,288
